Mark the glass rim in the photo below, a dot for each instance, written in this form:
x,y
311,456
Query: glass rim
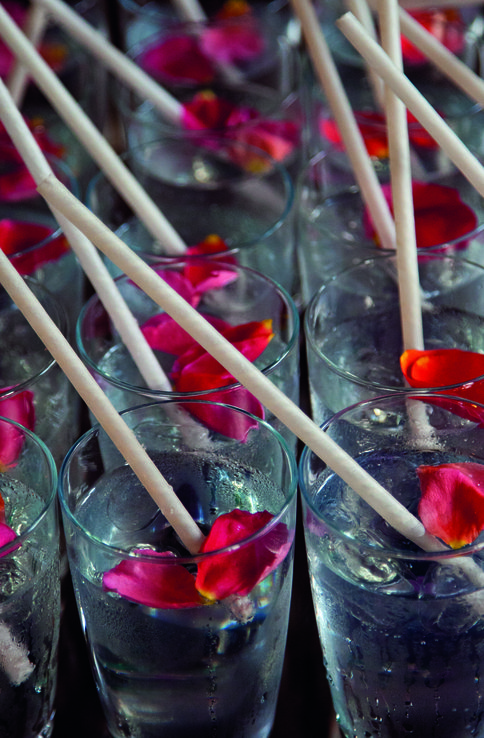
x,y
46,503
149,554
173,394
59,317
349,376
275,167
363,546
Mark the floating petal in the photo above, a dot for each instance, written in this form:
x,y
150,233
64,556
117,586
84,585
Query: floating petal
x,y
160,585
164,334
436,368
178,58
238,572
440,215
20,408
452,502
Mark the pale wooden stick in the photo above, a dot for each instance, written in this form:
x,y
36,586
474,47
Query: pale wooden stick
x,y
34,29
88,256
362,11
401,182
118,63
121,435
75,118
243,370
190,10
448,63
457,152
341,108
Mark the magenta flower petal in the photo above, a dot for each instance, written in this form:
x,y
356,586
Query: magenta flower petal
x,y
238,572
233,41
19,408
179,282
180,59
7,535
164,334
168,585
222,420
452,502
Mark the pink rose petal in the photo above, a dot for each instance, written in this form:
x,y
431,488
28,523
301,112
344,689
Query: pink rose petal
x,y
452,502
238,572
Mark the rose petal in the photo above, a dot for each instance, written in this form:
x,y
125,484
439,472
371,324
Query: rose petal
x,y
180,283
440,215
178,58
251,339
441,367
278,138
238,572
202,273
20,408
152,584
436,368
232,41
164,334
19,236
372,126
452,502
7,534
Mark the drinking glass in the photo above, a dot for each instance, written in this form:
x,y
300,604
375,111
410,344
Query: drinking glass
x,y
208,187
33,388
30,592
353,327
265,107
332,228
401,628
139,19
31,237
161,667
245,298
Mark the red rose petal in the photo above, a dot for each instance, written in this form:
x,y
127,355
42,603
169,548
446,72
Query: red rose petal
x,y
443,367
203,274
19,236
452,502
372,126
278,138
440,215
251,339
152,584
239,571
